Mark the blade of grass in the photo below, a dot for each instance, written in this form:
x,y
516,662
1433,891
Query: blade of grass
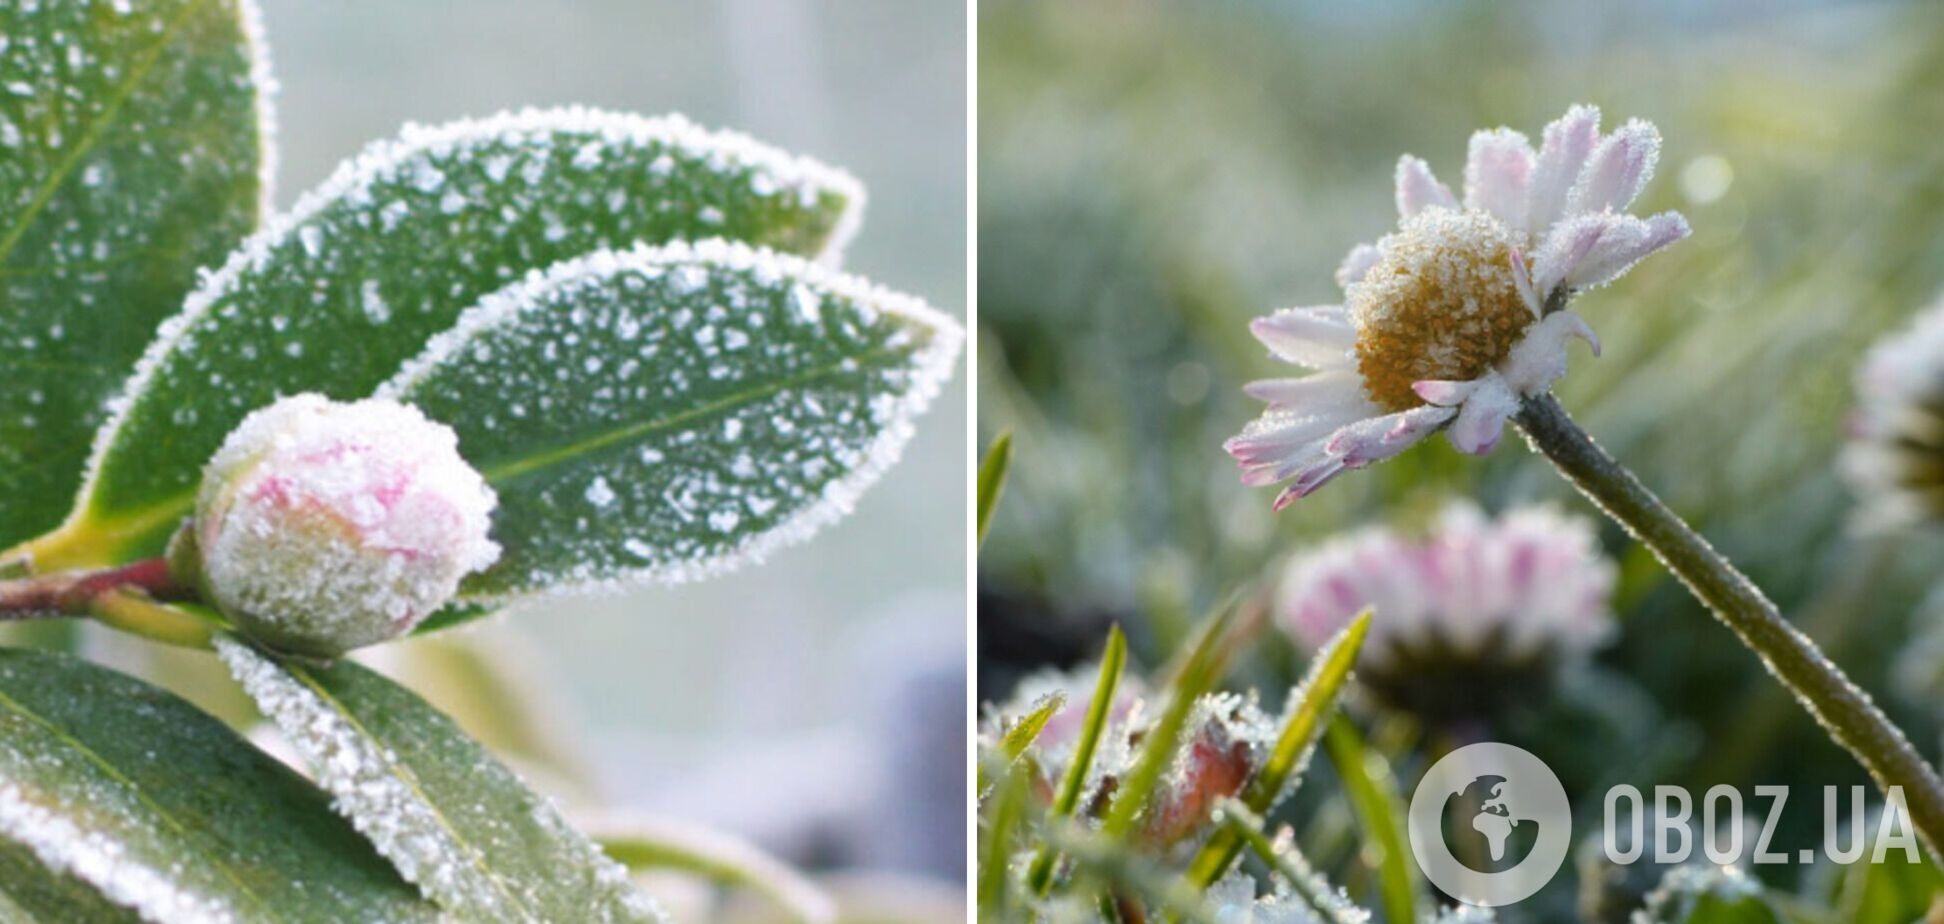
x,y
995,898
1127,871
1204,666
1311,704
1068,795
992,478
1016,739
1379,809
1290,864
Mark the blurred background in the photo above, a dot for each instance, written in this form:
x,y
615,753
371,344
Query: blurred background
x,y
813,704
1152,175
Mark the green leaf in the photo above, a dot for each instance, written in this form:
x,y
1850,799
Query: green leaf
x,y
1379,808
1021,735
1288,862
668,413
449,816
1707,895
1310,706
992,479
1099,710
133,149
164,810
730,861
30,892
996,844
1891,892
335,295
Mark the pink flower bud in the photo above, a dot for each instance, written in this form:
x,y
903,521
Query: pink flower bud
x,y
322,527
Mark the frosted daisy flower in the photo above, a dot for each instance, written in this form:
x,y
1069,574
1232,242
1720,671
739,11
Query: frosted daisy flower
x,y
1451,320
1895,461
1471,611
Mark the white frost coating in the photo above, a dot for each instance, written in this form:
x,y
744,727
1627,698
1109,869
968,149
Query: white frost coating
x,y
102,862
370,788
932,367
773,168
365,785
250,17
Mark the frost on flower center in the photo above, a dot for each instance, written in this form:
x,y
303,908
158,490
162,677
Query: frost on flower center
x,y
1440,303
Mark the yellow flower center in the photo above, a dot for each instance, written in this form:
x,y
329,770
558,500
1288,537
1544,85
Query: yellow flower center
x,y
1441,303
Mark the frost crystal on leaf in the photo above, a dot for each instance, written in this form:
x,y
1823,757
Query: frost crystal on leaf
x,y
679,413
437,218
133,149
454,853
98,859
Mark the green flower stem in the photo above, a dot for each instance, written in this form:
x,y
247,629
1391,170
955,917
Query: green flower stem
x,y
137,613
1843,709
129,598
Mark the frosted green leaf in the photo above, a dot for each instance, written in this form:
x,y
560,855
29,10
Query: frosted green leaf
x,y
667,413
134,147
30,893
159,808
447,814
366,268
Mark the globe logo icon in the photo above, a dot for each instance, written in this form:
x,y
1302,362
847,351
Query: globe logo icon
x,y
1482,828
1490,824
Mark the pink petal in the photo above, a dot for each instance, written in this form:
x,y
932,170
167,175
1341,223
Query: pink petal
x,y
1562,153
1323,390
1539,358
1481,422
1498,173
1380,438
1522,279
1444,394
1565,246
1356,265
1617,170
1418,190
1625,244
1317,338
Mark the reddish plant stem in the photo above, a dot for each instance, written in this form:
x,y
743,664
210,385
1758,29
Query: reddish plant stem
x,y
72,593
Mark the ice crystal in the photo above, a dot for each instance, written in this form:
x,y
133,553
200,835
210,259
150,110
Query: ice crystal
x,y
381,796
98,859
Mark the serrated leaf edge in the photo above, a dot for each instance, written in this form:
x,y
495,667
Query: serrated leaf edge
x,y
933,368
385,156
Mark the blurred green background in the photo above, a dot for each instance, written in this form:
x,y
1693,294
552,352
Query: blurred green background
x,y
1152,175
814,703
